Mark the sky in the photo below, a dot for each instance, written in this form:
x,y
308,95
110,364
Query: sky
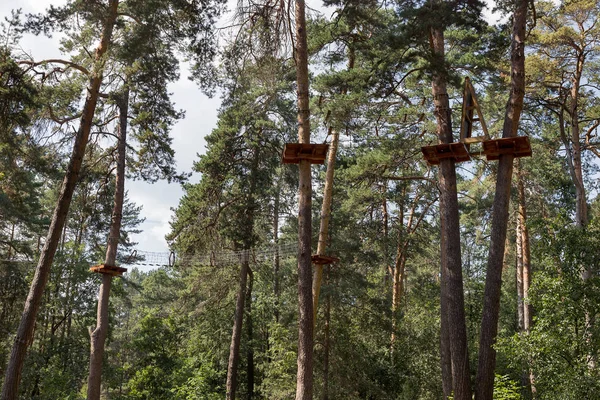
x,y
160,198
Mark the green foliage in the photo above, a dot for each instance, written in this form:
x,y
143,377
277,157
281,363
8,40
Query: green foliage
x,y
171,327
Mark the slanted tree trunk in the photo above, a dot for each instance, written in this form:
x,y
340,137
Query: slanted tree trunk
x,y
452,295
24,335
304,378
493,281
98,335
245,272
326,206
325,217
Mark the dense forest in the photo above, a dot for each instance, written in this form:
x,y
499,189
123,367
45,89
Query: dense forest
x,y
350,235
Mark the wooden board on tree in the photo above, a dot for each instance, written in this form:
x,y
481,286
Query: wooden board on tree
x,y
108,269
456,151
294,152
518,146
323,260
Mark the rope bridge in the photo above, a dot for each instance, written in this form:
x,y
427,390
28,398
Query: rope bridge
x,y
217,258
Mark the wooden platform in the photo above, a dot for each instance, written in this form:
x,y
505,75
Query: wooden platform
x,y
518,146
294,152
108,269
456,151
323,260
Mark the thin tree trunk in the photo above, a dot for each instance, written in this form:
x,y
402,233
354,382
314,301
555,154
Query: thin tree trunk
x,y
24,335
276,257
245,272
493,282
304,378
523,235
326,206
519,278
581,208
249,330
453,294
98,335
97,338
236,336
327,340
385,223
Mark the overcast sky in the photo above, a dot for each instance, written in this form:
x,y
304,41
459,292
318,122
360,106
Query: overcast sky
x,y
188,135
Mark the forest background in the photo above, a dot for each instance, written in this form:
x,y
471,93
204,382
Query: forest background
x,y
377,328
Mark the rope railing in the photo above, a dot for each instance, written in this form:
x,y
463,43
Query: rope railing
x,y
217,258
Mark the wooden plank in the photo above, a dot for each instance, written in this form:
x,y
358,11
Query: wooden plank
x,y
294,152
518,146
456,151
322,260
469,106
108,269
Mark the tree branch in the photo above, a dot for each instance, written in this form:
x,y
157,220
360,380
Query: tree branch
x,y
55,61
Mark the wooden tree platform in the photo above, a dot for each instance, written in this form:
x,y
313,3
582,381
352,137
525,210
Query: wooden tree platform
x,y
323,260
108,269
518,146
294,152
456,151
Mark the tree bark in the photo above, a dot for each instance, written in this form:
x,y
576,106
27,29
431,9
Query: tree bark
x,y
276,257
24,335
98,336
249,331
525,261
445,357
326,206
325,217
493,282
519,276
326,342
245,272
453,294
236,335
97,339
304,378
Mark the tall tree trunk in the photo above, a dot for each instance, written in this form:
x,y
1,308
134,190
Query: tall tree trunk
x,y
575,164
326,341
24,335
398,270
326,206
276,257
453,294
493,281
304,378
525,261
519,278
385,226
445,357
245,272
98,335
236,336
249,331
325,217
